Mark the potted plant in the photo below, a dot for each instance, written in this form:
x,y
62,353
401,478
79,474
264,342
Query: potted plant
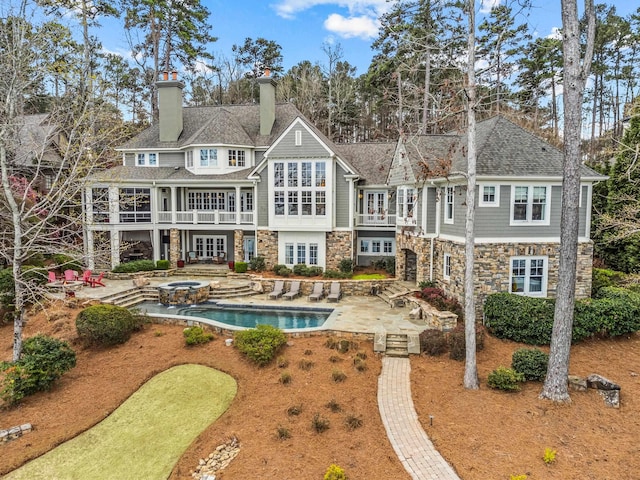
x,y
180,263
232,265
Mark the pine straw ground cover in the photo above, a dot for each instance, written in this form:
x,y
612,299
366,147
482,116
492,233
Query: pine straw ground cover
x,y
484,434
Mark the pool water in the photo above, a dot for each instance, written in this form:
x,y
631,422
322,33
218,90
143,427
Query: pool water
x,y
247,316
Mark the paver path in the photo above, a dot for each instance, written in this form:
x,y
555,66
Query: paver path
x,y
413,447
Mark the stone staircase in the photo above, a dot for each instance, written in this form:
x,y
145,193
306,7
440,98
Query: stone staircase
x,y
231,291
396,344
394,293
132,296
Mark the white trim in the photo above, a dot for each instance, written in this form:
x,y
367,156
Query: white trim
x,y
528,222
481,201
587,221
447,219
446,265
299,121
527,276
381,253
298,139
146,163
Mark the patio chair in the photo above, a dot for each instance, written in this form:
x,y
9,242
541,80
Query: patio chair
x,y
192,257
52,277
277,290
96,281
70,275
334,292
219,259
318,291
86,275
294,291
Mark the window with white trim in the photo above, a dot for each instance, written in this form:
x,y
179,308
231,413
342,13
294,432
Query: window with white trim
x,y
406,203
211,200
302,253
489,196
449,199
288,254
295,253
528,276
210,246
304,188
377,246
237,158
530,204
446,266
313,254
208,157
135,205
147,159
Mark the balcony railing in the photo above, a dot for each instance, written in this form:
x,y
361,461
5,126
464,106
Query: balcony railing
x,y
212,217
376,220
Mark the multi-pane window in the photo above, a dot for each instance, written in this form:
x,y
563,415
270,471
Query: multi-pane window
x,y
449,204
446,267
210,246
100,204
313,254
302,253
147,159
388,246
530,204
529,275
288,254
406,202
246,199
237,158
214,200
489,196
303,189
377,246
208,157
135,205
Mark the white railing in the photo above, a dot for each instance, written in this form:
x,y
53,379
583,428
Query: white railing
x,y
407,221
212,217
376,220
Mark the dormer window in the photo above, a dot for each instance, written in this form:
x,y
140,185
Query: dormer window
x,y
147,160
237,158
208,157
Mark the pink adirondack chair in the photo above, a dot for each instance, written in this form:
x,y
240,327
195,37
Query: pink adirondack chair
x,y
86,276
96,281
70,275
52,277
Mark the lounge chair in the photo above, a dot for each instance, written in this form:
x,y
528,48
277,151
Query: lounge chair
x,y
70,275
294,291
278,289
318,291
52,277
192,257
334,292
96,281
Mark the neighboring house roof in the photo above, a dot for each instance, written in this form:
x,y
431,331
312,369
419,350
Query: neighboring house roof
x,y
36,141
371,160
224,125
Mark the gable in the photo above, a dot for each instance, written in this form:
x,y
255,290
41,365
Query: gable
x,y
401,171
299,141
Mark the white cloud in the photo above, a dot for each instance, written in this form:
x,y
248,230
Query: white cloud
x,y
487,5
362,27
555,33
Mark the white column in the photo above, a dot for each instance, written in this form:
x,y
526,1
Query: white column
x,y
90,250
114,205
174,206
237,205
115,248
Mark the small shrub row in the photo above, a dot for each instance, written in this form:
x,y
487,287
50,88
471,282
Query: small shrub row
x,y
307,271
336,274
42,362
388,264
615,312
240,267
260,344
282,270
196,336
136,266
107,325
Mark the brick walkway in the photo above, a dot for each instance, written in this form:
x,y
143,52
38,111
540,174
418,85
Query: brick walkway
x,y
413,447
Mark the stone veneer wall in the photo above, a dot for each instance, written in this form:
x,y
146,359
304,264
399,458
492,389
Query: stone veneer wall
x,y
421,247
267,247
339,246
238,247
174,247
492,267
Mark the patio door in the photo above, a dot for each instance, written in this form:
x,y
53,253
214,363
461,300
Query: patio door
x,y
249,248
209,246
376,206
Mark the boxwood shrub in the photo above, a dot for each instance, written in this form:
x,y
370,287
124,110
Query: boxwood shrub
x,y
135,266
241,267
531,362
260,344
503,378
107,325
163,265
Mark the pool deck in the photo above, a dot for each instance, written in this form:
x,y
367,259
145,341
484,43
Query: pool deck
x,y
356,314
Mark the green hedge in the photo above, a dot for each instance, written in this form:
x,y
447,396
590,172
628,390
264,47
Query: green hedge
x,y
106,325
240,267
135,266
530,320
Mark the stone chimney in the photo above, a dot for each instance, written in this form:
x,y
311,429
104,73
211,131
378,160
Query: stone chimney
x,y
170,106
267,102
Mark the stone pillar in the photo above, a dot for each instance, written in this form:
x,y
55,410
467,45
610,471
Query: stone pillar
x,y
267,247
339,246
238,246
174,247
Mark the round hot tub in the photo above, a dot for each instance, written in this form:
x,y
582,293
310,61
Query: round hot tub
x,y
187,292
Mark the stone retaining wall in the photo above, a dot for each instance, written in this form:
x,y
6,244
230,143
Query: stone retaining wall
x,y
347,286
14,432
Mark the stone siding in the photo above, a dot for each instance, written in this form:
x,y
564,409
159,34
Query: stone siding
x,y
238,247
421,247
339,246
267,247
174,247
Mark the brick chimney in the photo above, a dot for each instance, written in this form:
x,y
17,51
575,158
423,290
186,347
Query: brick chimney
x,y
170,106
267,102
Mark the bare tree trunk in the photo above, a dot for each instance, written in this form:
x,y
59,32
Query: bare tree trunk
x,y
425,97
400,106
576,71
470,366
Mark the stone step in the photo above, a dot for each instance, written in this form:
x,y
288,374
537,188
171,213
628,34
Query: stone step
x,y
397,345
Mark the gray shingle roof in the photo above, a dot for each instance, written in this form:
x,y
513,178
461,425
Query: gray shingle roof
x,y
370,160
36,141
162,174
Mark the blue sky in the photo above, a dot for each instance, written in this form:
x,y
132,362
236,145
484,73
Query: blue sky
x,y
301,27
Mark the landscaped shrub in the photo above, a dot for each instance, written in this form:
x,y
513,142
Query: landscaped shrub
x,y
283,433
64,262
163,265
334,472
615,312
282,270
319,424
294,410
601,277
300,269
135,266
285,378
260,344
433,342
456,341
335,274
196,336
42,362
7,288
388,264
437,298
531,362
503,378
346,265
352,422
307,271
305,365
107,325
257,264
334,406
338,376
241,267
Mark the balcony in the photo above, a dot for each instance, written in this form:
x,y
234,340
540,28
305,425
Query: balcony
x,y
376,220
211,217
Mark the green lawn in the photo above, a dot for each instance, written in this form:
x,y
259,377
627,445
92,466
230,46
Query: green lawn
x,y
369,276
146,435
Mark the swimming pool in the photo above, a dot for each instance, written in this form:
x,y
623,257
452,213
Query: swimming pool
x,y
243,316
